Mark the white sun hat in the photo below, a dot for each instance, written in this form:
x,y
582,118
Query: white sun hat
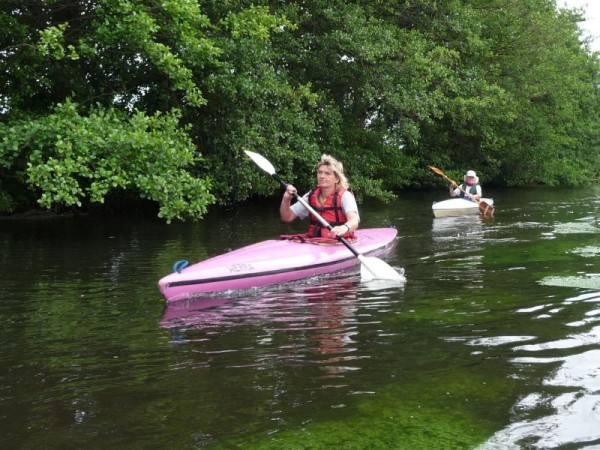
x,y
471,173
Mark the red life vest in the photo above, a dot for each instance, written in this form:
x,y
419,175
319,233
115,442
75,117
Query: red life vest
x,y
330,210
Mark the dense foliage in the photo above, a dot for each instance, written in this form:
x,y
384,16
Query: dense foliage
x,y
105,99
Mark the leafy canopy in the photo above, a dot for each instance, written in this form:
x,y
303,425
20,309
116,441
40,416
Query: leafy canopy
x,y
157,100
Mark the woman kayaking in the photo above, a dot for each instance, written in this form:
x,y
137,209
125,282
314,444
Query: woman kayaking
x,y
469,189
331,198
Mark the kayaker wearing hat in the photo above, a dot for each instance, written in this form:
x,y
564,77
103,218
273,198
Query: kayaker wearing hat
x,y
331,199
469,189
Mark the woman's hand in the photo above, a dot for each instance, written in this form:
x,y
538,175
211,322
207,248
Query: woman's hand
x,y
340,230
290,190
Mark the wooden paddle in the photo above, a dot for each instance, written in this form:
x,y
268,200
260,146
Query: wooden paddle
x,y
371,267
484,207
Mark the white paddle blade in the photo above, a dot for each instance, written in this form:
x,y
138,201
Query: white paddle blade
x,y
372,268
261,162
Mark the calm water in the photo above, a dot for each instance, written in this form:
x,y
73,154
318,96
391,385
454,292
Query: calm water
x,y
493,343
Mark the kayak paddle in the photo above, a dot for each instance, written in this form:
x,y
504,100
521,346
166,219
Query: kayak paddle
x,y
371,268
484,207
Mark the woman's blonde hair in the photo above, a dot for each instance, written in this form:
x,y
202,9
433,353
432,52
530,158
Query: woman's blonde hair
x,y
337,167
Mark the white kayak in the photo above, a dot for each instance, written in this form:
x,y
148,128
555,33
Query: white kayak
x,y
459,207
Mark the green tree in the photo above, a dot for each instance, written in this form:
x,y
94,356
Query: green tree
x,y
387,86
92,102
73,158
552,81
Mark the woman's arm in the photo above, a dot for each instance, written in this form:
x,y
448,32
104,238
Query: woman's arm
x,y
285,210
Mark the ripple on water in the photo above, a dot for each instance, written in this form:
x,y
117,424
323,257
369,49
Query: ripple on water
x,y
592,337
498,340
550,419
575,415
314,325
576,228
587,252
576,419
587,281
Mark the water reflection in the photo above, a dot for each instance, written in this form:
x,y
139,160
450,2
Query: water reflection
x,y
315,323
458,226
457,249
566,411
262,306
562,407
307,366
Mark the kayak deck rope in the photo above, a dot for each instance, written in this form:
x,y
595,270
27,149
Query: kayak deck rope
x,y
304,239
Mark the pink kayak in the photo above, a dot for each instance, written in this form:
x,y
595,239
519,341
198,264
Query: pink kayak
x,y
271,262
